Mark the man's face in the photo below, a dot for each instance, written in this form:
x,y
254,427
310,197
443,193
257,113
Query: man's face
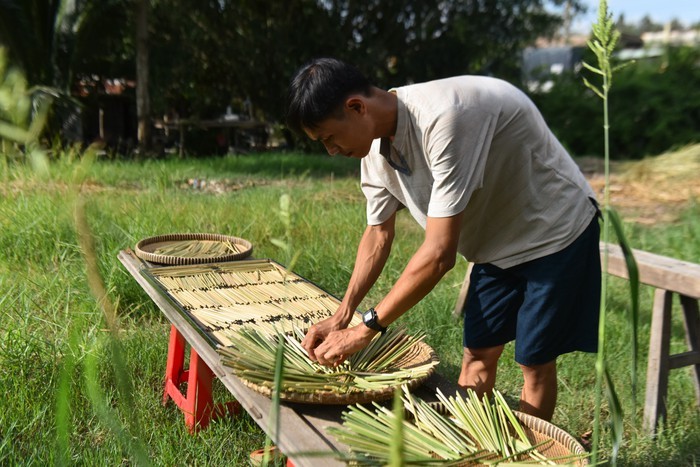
x,y
348,135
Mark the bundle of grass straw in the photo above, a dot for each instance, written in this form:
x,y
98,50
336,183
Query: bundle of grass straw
x,y
391,360
199,248
458,431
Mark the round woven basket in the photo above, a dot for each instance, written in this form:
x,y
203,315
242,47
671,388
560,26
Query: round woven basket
x,y
203,248
554,443
558,443
421,354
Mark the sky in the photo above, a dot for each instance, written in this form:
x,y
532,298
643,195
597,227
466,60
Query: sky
x,y
660,11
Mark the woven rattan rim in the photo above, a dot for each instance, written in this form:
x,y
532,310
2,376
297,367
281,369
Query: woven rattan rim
x,y
143,247
421,354
563,444
557,443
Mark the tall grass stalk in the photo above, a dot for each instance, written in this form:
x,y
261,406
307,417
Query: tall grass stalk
x,y
63,398
20,127
276,401
605,38
86,241
286,243
396,455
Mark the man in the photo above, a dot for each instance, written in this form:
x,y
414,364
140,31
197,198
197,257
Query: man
x,y
475,164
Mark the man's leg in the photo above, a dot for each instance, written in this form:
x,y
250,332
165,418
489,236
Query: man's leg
x,y
539,394
479,369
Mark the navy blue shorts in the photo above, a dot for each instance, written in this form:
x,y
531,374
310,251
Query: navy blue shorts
x,y
549,305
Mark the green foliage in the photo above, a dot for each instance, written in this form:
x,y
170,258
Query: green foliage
x,y
20,123
206,56
40,37
29,29
400,41
213,54
285,243
674,242
652,107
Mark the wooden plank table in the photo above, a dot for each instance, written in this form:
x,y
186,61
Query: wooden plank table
x,y
302,426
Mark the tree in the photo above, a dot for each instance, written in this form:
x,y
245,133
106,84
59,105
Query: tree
x,y
30,30
676,25
402,41
646,24
143,106
39,36
210,54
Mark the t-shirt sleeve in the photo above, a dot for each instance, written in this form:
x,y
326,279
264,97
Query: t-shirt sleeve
x,y
457,148
381,204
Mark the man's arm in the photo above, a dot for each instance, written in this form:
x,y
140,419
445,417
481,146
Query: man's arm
x,y
428,265
372,254
433,259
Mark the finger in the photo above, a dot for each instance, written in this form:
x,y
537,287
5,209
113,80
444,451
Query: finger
x,y
309,343
309,338
339,360
311,352
325,359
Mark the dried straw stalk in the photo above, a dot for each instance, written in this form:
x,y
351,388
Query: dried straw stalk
x,y
258,293
471,431
198,248
252,356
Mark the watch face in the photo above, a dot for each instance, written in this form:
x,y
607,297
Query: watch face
x,y
367,316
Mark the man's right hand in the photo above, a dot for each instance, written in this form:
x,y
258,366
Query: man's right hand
x,y
318,333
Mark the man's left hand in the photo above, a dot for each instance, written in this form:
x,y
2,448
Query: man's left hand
x,y
339,345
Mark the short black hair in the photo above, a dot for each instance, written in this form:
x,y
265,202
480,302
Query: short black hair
x,y
319,89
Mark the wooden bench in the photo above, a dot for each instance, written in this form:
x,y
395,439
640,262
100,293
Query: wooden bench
x,y
302,426
670,277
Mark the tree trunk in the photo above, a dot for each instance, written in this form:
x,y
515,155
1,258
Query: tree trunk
x,y
143,106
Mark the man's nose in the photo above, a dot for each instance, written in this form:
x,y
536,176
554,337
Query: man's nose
x,y
331,148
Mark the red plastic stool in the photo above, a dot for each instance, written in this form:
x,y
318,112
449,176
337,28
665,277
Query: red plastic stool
x,y
198,405
256,457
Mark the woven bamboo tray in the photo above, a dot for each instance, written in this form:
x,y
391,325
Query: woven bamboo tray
x,y
556,443
223,297
192,248
420,357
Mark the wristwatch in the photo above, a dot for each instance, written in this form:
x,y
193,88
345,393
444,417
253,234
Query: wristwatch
x,y
369,317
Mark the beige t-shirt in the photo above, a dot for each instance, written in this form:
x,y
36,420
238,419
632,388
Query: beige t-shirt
x,y
479,145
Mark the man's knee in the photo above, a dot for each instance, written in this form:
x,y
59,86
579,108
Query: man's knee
x,y
479,369
486,356
540,374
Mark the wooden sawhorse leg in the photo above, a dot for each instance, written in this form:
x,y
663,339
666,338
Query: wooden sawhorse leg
x,y
198,405
660,360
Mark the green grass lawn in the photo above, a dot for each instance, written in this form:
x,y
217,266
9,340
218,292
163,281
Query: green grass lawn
x,y
53,336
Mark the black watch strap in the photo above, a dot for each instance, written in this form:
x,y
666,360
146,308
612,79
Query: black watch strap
x,y
369,317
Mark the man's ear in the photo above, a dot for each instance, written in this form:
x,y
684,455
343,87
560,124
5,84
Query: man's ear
x,y
356,104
